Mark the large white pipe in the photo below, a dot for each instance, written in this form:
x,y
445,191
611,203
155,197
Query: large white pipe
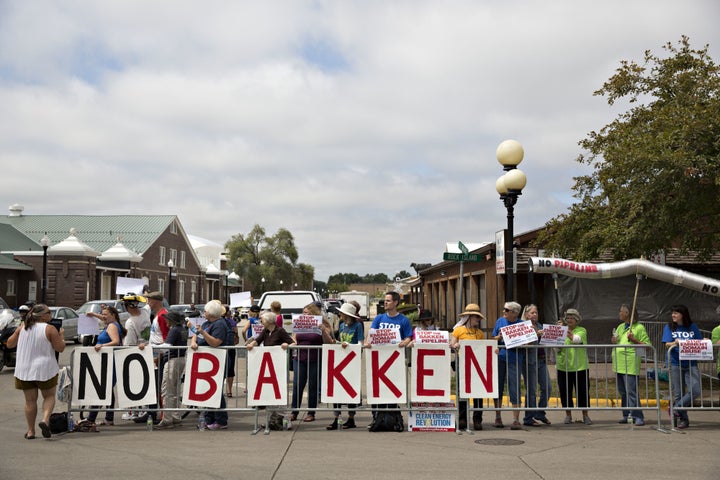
x,y
693,281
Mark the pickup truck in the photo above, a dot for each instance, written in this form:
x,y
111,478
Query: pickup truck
x,y
291,302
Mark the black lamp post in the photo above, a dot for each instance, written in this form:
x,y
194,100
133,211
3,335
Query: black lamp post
x,y
510,153
45,242
170,265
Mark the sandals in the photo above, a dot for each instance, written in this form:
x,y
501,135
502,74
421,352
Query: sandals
x,y
45,429
29,437
309,418
293,417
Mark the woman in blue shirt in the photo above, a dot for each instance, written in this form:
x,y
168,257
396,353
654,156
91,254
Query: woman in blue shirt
x,y
684,375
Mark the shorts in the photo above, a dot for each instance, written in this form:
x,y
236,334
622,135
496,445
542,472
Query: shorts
x,y
42,385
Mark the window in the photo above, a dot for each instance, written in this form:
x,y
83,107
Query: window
x,y
181,293
161,286
173,228
10,288
193,291
162,257
182,259
173,256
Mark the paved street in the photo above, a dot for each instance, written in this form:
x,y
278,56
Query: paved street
x,y
603,450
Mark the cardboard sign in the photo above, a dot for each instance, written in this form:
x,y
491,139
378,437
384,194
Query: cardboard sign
x,y
384,336
135,374
267,376
518,334
695,349
431,336
204,377
478,369
430,379
385,375
306,323
341,373
553,334
431,420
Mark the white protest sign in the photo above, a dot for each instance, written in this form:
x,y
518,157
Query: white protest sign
x,y
431,336
204,377
240,299
477,366
306,323
88,325
430,379
92,376
384,336
341,373
518,333
553,334
385,374
267,376
126,285
695,349
135,377
257,329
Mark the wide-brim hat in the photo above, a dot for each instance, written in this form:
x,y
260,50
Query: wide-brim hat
x,y
571,312
472,309
349,310
425,315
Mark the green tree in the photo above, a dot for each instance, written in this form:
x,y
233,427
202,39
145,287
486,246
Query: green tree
x,y
655,178
256,256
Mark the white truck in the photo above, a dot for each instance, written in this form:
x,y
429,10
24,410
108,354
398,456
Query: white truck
x,y
291,302
363,298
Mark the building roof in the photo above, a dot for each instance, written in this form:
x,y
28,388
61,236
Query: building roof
x,y
13,240
7,263
138,232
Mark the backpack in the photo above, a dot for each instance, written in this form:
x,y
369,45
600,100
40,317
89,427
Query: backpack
x,y
388,421
276,421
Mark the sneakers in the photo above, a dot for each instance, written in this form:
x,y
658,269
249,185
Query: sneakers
x,y
129,416
568,420
683,424
586,420
216,426
639,422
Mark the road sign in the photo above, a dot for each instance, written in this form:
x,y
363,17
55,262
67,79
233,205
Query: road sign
x,y
463,248
460,257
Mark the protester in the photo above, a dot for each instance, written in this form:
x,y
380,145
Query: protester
x,y
158,333
511,365
111,336
626,364
469,328
213,333
715,338
247,331
138,324
537,374
276,308
306,364
350,332
36,369
174,367
684,375
271,335
573,369
392,319
232,340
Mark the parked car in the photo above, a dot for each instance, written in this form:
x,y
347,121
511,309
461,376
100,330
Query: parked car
x,y
68,319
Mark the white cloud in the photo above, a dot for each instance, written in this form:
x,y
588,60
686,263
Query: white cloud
x,y
366,128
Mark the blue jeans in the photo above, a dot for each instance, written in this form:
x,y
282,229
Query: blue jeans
x,y
510,371
628,388
537,377
687,380
218,416
305,372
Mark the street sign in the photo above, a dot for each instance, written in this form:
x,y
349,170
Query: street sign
x,y
463,248
460,257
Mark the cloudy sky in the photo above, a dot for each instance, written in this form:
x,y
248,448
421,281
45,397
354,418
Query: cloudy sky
x,y
367,128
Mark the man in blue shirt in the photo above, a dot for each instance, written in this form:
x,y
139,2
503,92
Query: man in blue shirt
x,y
393,319
511,365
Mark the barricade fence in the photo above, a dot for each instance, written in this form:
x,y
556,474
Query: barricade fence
x,y
535,379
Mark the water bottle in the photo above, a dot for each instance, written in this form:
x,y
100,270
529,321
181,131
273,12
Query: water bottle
x,y
286,422
201,421
71,422
340,424
149,427
631,422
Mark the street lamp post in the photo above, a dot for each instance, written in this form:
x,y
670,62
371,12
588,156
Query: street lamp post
x,y
45,243
510,153
170,266
227,294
